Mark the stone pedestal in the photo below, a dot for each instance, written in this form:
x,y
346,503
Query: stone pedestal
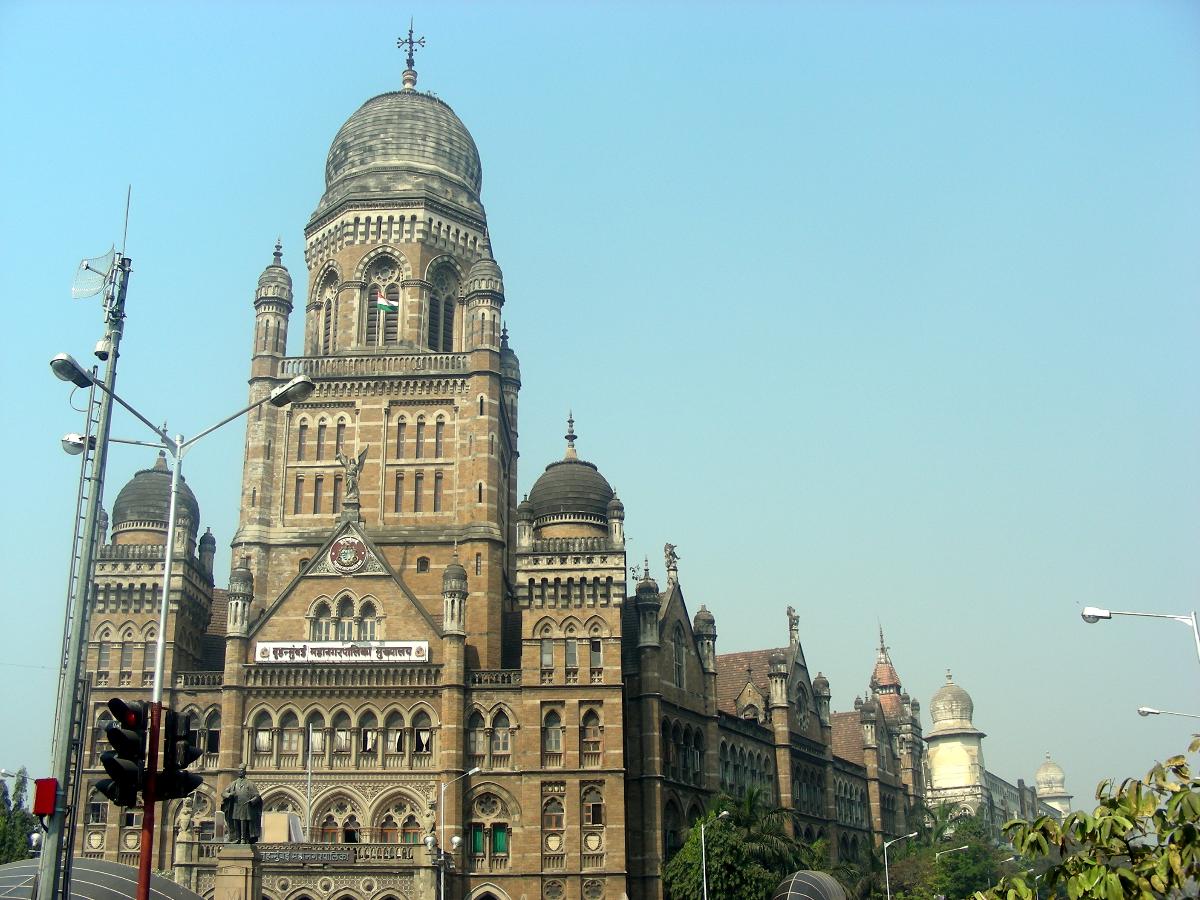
x,y
239,873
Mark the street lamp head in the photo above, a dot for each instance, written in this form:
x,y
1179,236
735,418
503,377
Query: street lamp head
x,y
723,814
65,368
456,842
75,444
430,842
475,771
293,392
1148,711
1093,614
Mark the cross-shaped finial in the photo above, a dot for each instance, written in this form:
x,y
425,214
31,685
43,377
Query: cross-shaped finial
x,y
410,44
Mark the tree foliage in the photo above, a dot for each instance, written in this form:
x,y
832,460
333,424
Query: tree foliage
x,y
1142,841
17,823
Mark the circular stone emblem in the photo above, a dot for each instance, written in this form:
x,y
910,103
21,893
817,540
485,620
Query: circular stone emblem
x,y
347,555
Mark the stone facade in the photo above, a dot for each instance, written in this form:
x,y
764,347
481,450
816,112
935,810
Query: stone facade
x,y
405,654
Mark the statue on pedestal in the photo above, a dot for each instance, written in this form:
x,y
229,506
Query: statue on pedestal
x,y
241,804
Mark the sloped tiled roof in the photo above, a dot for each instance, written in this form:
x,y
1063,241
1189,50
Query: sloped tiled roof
x,y
212,642
731,675
847,736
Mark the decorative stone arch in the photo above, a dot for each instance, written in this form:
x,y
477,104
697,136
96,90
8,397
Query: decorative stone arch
x,y
508,798
425,707
501,707
489,891
597,627
341,805
444,261
321,276
572,627
370,258
416,803
282,799
547,627
257,710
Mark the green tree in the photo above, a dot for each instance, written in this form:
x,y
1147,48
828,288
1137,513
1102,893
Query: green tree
x,y
1142,841
733,870
17,823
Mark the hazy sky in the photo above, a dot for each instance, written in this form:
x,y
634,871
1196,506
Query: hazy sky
x,y
887,311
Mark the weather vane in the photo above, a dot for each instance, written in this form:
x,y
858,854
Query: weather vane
x,y
411,45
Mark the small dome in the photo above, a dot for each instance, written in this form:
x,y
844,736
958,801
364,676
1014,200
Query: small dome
x,y
241,583
146,498
485,275
807,885
951,703
821,685
1050,777
207,541
647,590
571,489
454,578
402,144
275,281
616,509
704,622
525,510
777,662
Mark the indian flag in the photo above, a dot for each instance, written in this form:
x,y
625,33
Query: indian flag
x,y
382,302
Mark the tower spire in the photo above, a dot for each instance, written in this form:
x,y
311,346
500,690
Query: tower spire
x,y
410,45
570,435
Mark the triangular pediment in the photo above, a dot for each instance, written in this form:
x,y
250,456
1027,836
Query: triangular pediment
x,y
349,553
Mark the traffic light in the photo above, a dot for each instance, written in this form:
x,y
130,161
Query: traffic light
x,y
178,753
125,763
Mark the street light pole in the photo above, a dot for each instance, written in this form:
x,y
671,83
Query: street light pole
x,y
942,853
887,881
724,814
54,867
442,829
1093,614
1151,711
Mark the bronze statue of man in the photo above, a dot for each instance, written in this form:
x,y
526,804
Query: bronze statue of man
x,y
241,804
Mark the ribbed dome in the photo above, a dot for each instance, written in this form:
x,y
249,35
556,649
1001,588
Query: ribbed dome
x,y
951,703
571,488
147,498
704,622
402,144
807,885
485,275
821,685
1050,777
275,281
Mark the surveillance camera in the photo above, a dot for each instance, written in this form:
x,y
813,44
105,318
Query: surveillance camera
x,y
103,349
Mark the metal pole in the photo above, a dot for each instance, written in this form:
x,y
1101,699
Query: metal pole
x,y
442,841
53,881
887,881
149,794
1196,633
308,790
703,865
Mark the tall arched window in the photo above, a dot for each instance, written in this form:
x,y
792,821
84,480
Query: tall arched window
x,y
441,312
411,832
321,427
552,735
314,736
476,739
102,651
677,652
328,295
553,817
394,733
262,732
366,622
341,733
212,733
500,739
319,626
339,438
345,619
439,438
420,441
422,733
289,736
368,734
589,738
302,441
401,426
593,807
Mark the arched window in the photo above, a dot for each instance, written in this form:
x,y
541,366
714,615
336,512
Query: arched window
x,y
422,733
339,440
391,315
552,732
345,622
318,490
398,497
389,831
366,622
341,733
321,439
437,492
394,728
100,741
212,733
368,734
589,738
500,737
319,625
102,651
262,732
476,738
401,427
127,651
439,438
422,563
553,818
479,492
289,736
328,319
411,832
481,404
593,807
418,490
314,736
329,830
336,505
677,654
420,448
302,440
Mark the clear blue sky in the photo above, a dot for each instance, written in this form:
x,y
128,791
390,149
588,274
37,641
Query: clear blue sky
x,y
886,311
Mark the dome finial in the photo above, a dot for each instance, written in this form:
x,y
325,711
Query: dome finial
x,y
410,45
279,250
949,677
570,436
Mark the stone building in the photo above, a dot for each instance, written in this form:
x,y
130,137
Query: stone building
x,y
404,651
